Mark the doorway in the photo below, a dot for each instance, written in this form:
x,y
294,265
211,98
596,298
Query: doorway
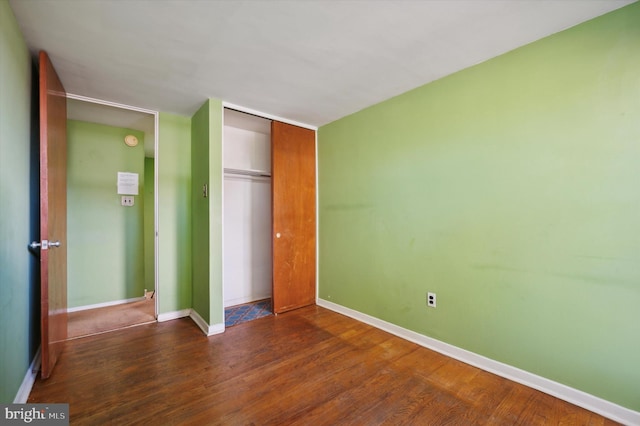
x,y
112,272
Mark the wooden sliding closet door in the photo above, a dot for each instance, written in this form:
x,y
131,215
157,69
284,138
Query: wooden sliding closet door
x,y
293,180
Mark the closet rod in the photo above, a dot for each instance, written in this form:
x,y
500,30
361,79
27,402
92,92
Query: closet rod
x,y
258,173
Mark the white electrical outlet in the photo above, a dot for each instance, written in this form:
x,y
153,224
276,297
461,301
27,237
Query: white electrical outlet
x,y
431,300
127,200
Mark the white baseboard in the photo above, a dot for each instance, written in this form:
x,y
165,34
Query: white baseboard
x,y
105,304
574,396
168,316
246,299
207,329
29,379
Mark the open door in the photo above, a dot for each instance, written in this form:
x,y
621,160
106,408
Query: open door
x,y
53,214
293,180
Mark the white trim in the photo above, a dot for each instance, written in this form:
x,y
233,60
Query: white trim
x,y
29,379
105,304
207,329
265,115
246,299
156,211
109,103
574,396
168,316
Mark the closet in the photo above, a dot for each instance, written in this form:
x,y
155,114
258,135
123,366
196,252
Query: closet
x,y
269,210
247,208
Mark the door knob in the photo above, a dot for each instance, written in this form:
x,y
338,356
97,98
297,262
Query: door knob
x,y
45,244
277,235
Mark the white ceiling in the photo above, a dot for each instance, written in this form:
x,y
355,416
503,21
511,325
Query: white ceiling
x,y
312,61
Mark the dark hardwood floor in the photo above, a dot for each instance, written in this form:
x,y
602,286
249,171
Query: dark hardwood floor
x,y
310,366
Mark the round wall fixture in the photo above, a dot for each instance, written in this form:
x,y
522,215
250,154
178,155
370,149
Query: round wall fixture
x,y
131,140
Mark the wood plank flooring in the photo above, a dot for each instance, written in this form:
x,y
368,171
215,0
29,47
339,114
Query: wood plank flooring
x,y
109,318
310,366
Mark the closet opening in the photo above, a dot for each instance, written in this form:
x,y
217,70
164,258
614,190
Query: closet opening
x,y
247,223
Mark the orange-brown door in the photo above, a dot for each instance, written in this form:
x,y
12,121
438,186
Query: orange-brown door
x,y
293,177
53,214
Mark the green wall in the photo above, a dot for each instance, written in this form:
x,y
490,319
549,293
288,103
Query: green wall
x,y
206,163
18,285
511,190
174,213
149,219
216,301
106,260
200,210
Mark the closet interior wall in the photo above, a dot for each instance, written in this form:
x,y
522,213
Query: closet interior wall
x,y
247,208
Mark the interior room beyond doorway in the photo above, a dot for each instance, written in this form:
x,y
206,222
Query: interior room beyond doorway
x,y
111,246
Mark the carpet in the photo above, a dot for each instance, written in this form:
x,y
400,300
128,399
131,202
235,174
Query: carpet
x,y
234,315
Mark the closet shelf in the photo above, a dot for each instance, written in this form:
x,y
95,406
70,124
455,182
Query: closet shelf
x,y
242,172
